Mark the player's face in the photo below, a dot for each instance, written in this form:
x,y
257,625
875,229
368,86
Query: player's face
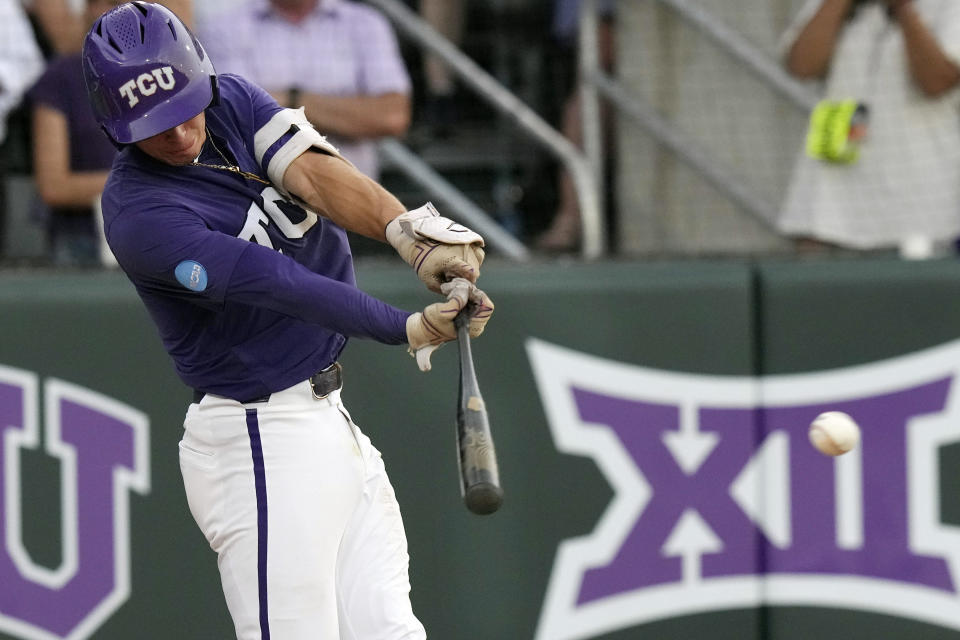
x,y
179,145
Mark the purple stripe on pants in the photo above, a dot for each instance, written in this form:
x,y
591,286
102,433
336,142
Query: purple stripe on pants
x,y
260,482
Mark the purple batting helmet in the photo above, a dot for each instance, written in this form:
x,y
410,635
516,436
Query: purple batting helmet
x,y
145,72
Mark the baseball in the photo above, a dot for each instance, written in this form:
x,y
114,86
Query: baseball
x,y
834,433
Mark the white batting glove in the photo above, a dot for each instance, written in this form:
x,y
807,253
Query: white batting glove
x,y
429,329
437,248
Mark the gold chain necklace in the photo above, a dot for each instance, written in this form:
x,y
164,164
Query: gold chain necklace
x,y
232,168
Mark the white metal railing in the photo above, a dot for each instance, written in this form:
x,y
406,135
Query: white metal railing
x,y
438,187
586,166
744,52
590,118
684,148
486,86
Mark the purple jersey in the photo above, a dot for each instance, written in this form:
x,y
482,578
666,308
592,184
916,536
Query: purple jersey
x,y
251,292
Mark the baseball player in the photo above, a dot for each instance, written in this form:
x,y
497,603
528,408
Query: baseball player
x,y
228,214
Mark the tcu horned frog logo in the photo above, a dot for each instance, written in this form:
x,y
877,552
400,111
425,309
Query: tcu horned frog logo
x,y
720,502
102,448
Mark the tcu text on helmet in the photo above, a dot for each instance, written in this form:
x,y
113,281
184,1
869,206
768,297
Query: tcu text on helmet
x,y
146,84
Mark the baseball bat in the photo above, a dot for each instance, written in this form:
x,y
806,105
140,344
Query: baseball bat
x,y
479,476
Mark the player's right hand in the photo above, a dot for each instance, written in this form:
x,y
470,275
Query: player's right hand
x,y
430,328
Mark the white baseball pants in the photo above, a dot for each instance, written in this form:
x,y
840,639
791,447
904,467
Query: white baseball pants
x,y
296,502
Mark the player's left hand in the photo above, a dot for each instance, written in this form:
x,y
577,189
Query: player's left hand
x,y
437,248
429,329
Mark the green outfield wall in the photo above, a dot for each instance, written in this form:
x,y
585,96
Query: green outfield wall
x,y
650,421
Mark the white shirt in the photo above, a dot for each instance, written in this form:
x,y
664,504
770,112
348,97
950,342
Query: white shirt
x,y
907,179
21,61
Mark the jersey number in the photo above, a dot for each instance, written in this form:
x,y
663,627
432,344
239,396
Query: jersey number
x,y
292,220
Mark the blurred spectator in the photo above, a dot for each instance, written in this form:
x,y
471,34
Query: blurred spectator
x,y
901,187
447,17
62,23
206,11
338,59
21,61
564,231
58,23
184,10
71,156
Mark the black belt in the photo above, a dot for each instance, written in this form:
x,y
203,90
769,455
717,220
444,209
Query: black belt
x,y
322,384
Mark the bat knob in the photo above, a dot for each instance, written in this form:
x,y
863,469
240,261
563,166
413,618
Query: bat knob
x,y
483,498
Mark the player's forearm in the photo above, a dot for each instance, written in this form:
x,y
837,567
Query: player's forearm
x,y
336,190
266,279
358,116
810,55
931,69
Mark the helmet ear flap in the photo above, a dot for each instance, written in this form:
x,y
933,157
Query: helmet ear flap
x,y
106,132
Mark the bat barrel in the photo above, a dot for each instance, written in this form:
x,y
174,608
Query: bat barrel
x,y
480,478
483,498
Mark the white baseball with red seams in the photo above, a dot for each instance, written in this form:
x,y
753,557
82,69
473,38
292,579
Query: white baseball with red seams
x,y
834,433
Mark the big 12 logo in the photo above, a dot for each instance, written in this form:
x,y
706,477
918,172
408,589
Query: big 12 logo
x,y
720,501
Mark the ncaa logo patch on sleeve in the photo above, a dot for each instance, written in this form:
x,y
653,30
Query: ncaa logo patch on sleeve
x,y
192,275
